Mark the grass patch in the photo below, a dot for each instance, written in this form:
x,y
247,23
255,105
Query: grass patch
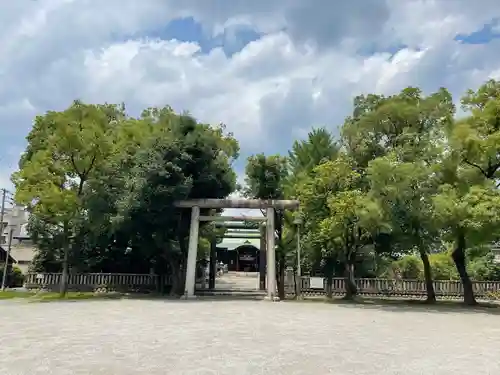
x,y
53,296
75,296
12,294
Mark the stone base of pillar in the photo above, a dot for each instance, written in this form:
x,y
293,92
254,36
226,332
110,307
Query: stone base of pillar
x,y
187,296
272,299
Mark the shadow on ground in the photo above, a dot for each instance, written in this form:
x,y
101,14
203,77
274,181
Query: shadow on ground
x,y
402,305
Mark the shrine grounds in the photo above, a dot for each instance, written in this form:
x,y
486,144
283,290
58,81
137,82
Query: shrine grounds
x,y
236,337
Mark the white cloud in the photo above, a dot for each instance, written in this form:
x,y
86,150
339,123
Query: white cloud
x,y
303,72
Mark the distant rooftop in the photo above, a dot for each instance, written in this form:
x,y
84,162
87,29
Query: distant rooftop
x,y
233,243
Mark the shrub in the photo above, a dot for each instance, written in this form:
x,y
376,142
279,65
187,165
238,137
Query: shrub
x,y
443,267
15,278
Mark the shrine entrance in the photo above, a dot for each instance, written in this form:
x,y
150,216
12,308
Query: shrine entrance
x,y
247,258
265,230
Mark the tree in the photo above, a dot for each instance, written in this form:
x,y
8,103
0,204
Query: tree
x,y
265,178
340,219
395,141
354,220
183,160
305,155
473,156
319,147
407,123
405,190
64,150
477,137
468,215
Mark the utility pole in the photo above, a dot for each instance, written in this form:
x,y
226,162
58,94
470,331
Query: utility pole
x,y
2,212
6,264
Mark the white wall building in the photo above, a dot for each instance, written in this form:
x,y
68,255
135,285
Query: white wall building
x,y
15,221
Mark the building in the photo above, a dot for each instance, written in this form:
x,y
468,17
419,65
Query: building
x,y
15,219
239,254
14,230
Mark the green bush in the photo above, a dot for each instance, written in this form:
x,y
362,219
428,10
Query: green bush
x,y
485,268
443,267
482,268
15,278
409,267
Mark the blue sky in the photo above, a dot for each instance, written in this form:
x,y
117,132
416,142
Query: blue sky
x,y
270,70
187,29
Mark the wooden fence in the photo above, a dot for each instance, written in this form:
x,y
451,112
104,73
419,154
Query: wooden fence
x,y
95,281
411,288
369,287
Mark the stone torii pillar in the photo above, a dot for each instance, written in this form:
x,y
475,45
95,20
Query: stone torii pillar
x,y
192,252
271,255
269,205
262,258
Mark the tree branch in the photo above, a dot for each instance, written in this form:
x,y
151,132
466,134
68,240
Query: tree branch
x,y
72,158
477,167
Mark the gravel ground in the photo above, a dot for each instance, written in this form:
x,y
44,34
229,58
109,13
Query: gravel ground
x,y
150,337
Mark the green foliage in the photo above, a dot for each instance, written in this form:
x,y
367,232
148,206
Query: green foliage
x,y
64,149
404,122
477,137
107,182
266,176
406,184
353,221
410,267
473,211
485,268
15,277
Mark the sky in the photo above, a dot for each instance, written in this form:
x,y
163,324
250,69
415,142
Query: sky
x,y
268,69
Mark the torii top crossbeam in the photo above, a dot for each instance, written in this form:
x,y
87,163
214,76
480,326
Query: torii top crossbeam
x,y
239,203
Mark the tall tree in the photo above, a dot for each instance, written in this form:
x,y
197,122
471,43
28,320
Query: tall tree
x,y
265,178
406,123
64,151
405,191
394,141
473,156
184,160
339,217
468,215
477,137
318,147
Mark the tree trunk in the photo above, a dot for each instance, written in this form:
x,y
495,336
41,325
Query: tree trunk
x,y
175,277
350,283
178,264
429,283
329,278
178,277
328,287
297,285
63,285
281,266
458,256
281,276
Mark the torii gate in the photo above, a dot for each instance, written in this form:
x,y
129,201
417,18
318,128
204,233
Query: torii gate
x,y
268,205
